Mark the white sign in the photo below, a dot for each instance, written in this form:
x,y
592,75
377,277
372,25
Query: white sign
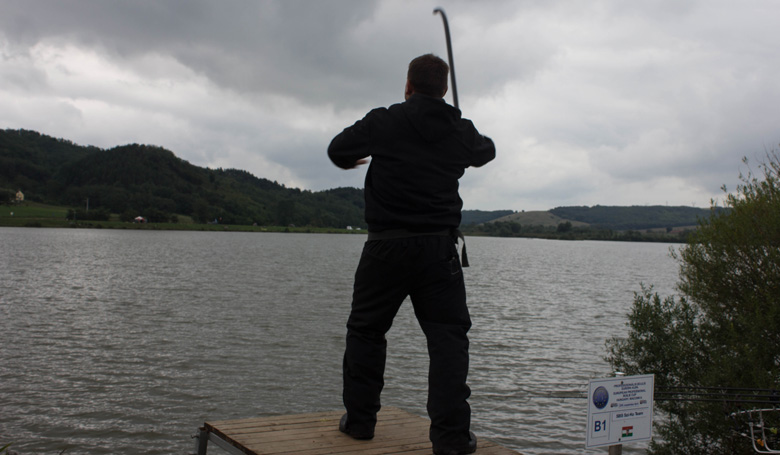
x,y
620,410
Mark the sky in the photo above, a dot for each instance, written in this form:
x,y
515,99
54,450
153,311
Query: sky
x,y
598,102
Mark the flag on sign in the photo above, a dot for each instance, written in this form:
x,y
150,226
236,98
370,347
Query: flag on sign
x,y
628,431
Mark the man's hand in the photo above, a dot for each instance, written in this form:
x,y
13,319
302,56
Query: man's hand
x,y
358,163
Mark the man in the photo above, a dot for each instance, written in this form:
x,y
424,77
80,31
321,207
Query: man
x,y
419,149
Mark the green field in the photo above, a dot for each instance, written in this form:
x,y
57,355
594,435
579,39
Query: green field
x,y
32,214
32,210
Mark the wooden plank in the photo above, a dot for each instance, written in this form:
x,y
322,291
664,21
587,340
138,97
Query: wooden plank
x,y
397,432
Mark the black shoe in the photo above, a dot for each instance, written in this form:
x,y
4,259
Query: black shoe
x,y
471,448
354,434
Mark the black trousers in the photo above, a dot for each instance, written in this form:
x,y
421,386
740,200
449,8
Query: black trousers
x,y
428,270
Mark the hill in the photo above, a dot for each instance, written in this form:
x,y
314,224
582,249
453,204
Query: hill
x,y
471,217
636,224
633,217
608,217
150,181
536,218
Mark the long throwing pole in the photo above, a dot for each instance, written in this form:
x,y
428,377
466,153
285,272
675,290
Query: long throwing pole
x,y
449,55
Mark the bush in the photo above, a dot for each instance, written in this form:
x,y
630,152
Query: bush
x,y
724,329
7,197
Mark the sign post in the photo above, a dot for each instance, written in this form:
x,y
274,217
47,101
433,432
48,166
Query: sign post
x,y
620,410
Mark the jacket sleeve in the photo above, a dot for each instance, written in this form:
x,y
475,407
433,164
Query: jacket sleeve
x,y
482,148
351,145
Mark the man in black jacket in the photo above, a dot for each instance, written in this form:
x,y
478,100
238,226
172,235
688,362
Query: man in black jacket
x,y
419,149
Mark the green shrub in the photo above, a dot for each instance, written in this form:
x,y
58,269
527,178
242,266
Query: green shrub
x,y
723,330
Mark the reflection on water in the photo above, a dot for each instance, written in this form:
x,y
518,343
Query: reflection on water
x,y
113,341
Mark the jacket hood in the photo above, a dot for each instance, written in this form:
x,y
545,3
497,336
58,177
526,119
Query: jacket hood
x,y
432,118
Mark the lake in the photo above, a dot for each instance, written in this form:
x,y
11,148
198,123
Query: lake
x,y
118,341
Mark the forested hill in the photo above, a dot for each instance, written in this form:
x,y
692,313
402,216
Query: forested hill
x,y
633,217
146,180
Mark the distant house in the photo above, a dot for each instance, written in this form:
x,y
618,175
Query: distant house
x,y
139,219
19,196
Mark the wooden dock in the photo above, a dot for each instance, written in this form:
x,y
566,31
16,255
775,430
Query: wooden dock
x,y
397,432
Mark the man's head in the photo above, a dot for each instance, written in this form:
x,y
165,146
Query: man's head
x,y
427,75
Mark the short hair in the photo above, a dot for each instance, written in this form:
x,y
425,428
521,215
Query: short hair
x,y
428,75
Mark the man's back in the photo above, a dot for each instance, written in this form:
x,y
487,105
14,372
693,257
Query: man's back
x,y
419,149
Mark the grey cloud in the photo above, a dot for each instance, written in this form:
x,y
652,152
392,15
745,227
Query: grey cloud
x,y
246,46
635,92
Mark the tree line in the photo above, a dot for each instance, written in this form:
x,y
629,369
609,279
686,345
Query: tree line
x,y
566,231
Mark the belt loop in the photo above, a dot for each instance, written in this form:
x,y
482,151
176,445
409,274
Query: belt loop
x,y
464,258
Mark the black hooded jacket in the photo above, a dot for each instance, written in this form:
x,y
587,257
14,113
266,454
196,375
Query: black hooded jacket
x,y
419,149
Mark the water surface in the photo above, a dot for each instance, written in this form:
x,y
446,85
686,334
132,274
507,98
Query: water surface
x,y
126,341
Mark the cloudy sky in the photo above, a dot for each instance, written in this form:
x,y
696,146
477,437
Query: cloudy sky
x,y
608,102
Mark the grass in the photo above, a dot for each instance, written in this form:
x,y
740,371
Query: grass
x,y
32,210
30,214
